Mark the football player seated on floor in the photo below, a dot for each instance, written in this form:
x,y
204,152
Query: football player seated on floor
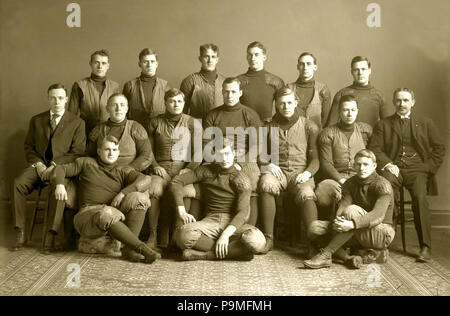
x,y
111,201
298,161
223,233
363,220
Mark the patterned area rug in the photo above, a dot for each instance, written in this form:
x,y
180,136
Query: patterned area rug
x,y
278,273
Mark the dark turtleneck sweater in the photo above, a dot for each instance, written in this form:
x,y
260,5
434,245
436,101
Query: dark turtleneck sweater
x,y
173,118
234,116
209,76
143,146
225,191
257,94
286,123
347,129
371,104
99,183
311,138
305,91
148,84
116,129
374,194
99,83
77,93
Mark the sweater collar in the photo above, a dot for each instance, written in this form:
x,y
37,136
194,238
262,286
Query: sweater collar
x,y
360,87
209,76
110,123
346,127
233,108
369,179
97,78
147,78
306,83
217,168
286,122
173,118
254,73
106,166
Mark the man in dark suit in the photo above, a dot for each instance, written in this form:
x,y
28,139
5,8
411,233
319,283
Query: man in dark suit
x,y
409,152
54,137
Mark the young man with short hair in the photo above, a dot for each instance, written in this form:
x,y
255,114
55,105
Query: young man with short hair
x,y
172,137
314,97
203,89
135,147
371,102
90,95
233,115
258,85
222,234
338,145
298,162
54,137
364,218
111,200
145,93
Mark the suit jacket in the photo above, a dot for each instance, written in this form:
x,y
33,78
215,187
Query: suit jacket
x,y
68,140
386,143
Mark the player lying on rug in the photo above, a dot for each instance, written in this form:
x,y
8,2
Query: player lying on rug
x,y
363,219
222,234
111,201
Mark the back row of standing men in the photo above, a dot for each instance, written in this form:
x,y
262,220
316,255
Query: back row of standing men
x,y
257,90
203,89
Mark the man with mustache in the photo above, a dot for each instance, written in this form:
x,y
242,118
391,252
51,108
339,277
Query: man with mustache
x,y
410,151
90,95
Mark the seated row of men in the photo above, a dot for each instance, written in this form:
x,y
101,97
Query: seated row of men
x,y
114,196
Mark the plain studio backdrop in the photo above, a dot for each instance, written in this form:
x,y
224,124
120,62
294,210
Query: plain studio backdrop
x,y
409,49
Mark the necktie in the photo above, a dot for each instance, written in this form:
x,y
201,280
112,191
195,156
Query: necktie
x,y
53,121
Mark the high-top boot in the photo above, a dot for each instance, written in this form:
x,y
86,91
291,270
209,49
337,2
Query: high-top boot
x,y
153,217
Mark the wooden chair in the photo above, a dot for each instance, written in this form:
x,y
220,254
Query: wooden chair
x,y
401,216
36,210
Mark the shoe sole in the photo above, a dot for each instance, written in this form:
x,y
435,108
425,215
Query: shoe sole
x,y
423,260
355,263
316,267
154,256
